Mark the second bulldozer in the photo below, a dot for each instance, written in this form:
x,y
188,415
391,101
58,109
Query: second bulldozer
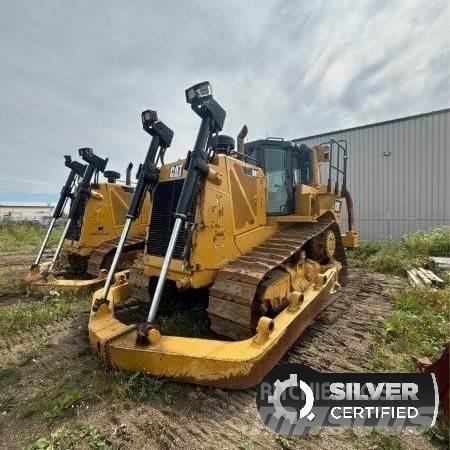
x,y
95,222
257,227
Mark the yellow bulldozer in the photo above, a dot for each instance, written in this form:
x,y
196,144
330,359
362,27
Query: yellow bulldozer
x,y
94,224
252,225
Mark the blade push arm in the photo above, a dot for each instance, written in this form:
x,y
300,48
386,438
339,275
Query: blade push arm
x,y
147,179
95,164
213,117
148,173
76,170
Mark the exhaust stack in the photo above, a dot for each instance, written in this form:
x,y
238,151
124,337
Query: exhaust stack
x,y
240,139
128,174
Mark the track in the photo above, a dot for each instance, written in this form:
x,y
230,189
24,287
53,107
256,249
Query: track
x,y
101,257
234,307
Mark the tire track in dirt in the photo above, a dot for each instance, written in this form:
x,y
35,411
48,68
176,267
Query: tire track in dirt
x,y
340,338
22,257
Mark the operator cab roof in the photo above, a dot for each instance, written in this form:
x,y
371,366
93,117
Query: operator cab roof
x,y
271,141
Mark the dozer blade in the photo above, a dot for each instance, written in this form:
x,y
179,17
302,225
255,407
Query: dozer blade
x,y
228,364
39,280
44,284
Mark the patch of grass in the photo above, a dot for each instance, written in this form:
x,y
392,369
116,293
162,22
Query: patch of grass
x,y
9,376
418,325
2,424
84,436
382,358
141,387
383,441
433,243
350,434
33,352
283,441
65,390
364,251
184,322
396,257
16,236
25,317
7,403
440,433
13,282
66,403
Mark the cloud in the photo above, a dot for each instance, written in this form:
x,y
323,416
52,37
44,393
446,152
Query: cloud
x,y
80,74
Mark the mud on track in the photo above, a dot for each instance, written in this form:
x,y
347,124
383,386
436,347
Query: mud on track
x,y
195,417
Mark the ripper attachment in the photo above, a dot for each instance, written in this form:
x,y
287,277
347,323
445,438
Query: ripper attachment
x,y
148,175
200,98
82,194
76,170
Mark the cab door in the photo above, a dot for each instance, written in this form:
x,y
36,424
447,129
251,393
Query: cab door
x,y
278,170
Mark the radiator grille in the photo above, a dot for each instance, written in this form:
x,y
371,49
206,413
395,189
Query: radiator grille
x,y
165,201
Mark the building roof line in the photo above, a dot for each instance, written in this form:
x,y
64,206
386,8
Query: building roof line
x,y
385,122
25,205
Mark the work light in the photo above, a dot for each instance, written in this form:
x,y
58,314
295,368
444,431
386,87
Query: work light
x,y
148,117
85,152
199,92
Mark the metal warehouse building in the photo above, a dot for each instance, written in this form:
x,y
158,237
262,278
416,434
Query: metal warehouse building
x,y
398,173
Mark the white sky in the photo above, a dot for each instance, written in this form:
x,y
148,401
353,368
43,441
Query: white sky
x,y
77,74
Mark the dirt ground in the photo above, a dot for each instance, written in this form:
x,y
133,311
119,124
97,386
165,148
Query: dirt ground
x,y
54,361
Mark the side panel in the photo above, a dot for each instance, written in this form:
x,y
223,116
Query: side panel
x,y
230,219
103,219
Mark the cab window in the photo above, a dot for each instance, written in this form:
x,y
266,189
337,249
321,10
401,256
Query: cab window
x,y
302,165
275,166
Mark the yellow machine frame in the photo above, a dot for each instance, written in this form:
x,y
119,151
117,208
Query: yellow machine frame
x,y
232,213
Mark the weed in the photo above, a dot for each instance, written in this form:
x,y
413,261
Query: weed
x,y
2,424
32,353
381,357
7,403
396,257
84,436
24,236
246,446
384,441
350,434
66,403
99,382
9,376
185,314
419,325
433,243
63,394
283,441
439,434
363,251
141,387
25,317
12,281
192,323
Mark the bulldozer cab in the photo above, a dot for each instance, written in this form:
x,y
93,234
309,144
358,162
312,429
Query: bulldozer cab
x,y
286,166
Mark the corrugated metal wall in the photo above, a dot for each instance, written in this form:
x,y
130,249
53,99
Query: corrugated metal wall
x,y
406,191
